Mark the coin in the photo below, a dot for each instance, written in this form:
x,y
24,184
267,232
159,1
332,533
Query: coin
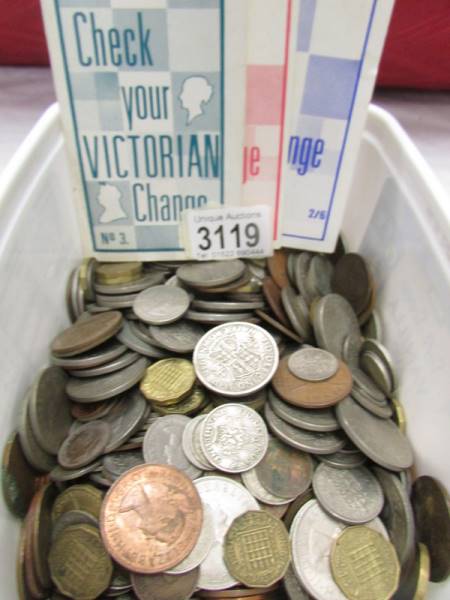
x,y
146,281
364,564
192,448
320,419
399,413
130,338
334,319
318,277
85,335
301,268
60,474
255,487
219,318
351,279
376,347
115,365
83,579
163,444
168,381
313,364
40,532
94,358
351,495
180,337
216,306
311,394
423,574
234,438
238,592
379,439
117,273
125,418
35,455
83,497
372,364
226,500
49,409
256,549
190,405
284,471
21,577
296,505
103,387
72,517
36,586
210,274
278,326
161,305
341,460
151,518
277,266
18,477
164,586
312,528
272,294
117,463
294,313
314,442
84,445
431,511
235,359
293,587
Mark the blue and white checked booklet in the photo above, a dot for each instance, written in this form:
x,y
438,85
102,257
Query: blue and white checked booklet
x,y
177,105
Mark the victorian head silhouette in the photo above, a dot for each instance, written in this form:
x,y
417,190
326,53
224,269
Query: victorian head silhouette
x,y
109,199
196,91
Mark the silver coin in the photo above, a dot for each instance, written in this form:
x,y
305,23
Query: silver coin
x,y
366,385
302,264
93,309
163,444
58,473
379,439
35,455
397,514
226,500
187,443
215,306
197,445
373,329
209,317
236,359
94,358
294,313
115,365
375,346
106,386
210,274
129,338
319,419
161,305
374,366
290,265
334,319
76,301
314,530
318,277
293,587
125,419
202,546
353,496
382,410
117,463
314,442
351,349
118,301
343,460
142,331
180,337
256,488
234,438
313,364
146,281
256,270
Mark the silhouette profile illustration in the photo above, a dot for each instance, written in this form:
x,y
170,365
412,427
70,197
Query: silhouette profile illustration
x,y
196,92
109,199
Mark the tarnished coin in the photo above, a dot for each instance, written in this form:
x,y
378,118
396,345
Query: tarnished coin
x,y
60,474
72,517
210,274
379,439
256,549
278,326
301,268
234,438
100,355
35,455
130,337
226,500
161,304
125,418
277,266
272,294
334,319
83,497
373,365
351,495
127,358
84,445
180,337
256,488
431,510
106,386
40,532
50,409
284,471
313,364
318,277
315,442
311,394
117,301
164,586
36,586
83,579
342,460
144,282
151,518
168,381
296,505
235,359
319,419
374,577
116,464
163,444
351,279
84,335
117,273
18,477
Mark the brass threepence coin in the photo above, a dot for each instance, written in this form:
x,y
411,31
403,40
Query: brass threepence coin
x,y
196,400
83,497
364,564
79,564
18,477
257,549
116,273
168,381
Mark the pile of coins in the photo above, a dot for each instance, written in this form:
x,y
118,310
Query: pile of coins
x,y
222,430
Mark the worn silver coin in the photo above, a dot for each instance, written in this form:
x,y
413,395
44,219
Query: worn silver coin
x,y
313,364
342,460
210,274
84,445
318,277
382,410
256,488
209,317
117,463
161,304
294,312
180,337
195,454
128,337
293,587
333,320
61,475
226,306
365,384
146,281
105,353
375,346
117,301
236,359
374,366
319,419
35,455
301,269
234,438
126,418
115,365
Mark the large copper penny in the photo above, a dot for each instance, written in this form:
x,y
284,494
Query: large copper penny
x,y
151,518
311,394
164,586
277,265
84,335
272,294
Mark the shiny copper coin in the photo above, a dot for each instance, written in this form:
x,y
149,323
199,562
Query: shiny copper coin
x,y
278,326
163,586
84,335
277,265
272,294
311,394
151,518
351,279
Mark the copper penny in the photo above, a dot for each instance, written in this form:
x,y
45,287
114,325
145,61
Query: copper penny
x,y
84,444
164,586
351,279
92,411
277,265
151,518
278,326
311,394
272,294
84,335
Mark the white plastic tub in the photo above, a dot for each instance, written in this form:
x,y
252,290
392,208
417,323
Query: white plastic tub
x,y
398,217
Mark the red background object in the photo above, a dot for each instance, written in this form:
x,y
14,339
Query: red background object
x,y
416,54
